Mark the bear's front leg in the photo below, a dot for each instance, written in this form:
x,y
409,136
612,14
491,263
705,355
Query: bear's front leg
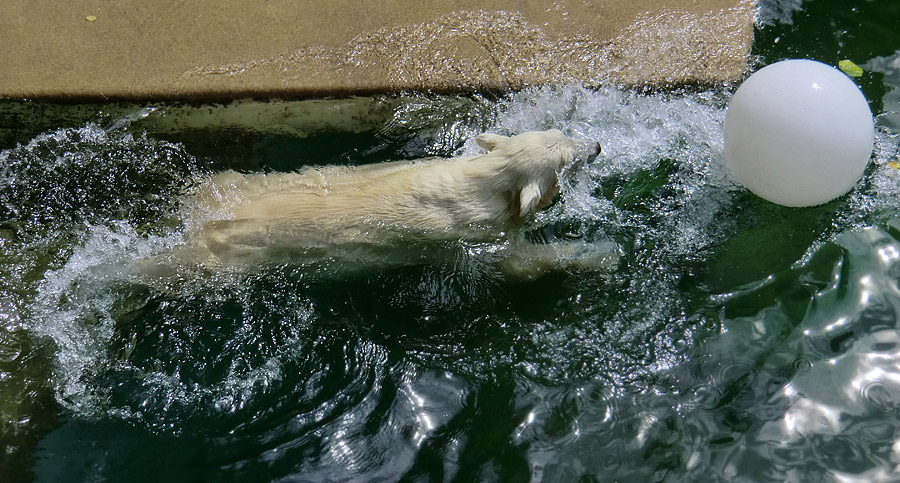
x,y
529,261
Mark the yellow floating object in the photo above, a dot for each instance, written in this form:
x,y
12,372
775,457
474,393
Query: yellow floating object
x,y
850,68
893,164
90,18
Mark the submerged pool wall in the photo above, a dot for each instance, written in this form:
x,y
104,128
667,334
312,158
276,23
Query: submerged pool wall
x,y
209,50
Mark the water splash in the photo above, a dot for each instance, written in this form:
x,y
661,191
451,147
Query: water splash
x,y
672,145
87,175
84,304
279,359
777,11
660,191
127,120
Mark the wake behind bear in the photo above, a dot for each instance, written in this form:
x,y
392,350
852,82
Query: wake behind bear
x,y
394,213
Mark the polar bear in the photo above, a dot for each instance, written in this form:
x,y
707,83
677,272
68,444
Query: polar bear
x,y
397,212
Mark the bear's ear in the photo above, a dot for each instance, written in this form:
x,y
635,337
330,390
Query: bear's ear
x,y
529,198
489,141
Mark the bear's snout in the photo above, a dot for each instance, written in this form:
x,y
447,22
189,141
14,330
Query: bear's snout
x,y
587,153
593,151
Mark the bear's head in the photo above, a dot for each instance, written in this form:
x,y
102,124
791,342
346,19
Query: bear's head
x,y
534,161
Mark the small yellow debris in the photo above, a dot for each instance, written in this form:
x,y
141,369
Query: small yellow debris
x,y
850,68
91,18
893,164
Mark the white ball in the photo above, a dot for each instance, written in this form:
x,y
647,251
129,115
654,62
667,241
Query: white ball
x,y
798,133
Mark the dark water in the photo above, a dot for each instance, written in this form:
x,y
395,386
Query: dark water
x,y
736,341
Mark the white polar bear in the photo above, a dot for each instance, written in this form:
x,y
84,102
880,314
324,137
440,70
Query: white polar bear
x,y
393,212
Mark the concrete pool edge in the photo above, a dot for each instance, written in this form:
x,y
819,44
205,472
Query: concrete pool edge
x,y
100,51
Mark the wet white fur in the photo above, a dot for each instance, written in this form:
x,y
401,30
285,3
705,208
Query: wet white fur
x,y
473,198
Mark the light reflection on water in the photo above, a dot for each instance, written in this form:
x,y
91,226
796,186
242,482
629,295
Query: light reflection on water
x,y
421,372
852,382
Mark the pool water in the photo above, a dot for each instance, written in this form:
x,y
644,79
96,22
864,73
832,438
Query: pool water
x,y
737,340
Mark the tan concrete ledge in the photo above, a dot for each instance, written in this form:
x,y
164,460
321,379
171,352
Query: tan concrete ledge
x,y
206,49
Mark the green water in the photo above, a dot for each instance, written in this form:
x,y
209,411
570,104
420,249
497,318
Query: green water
x,y
736,341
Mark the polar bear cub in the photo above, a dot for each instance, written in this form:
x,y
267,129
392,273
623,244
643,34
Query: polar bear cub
x,y
338,210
